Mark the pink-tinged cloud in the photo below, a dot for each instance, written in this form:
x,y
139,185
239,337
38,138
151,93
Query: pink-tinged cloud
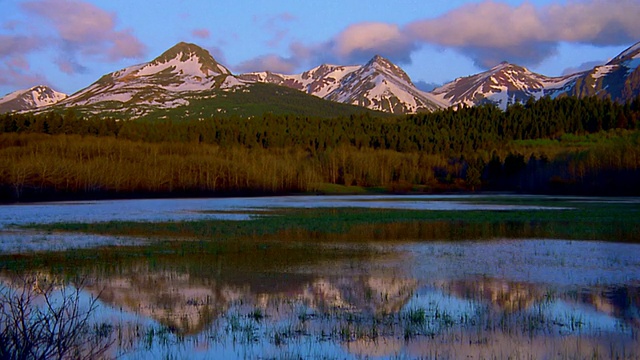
x,y
14,45
82,29
599,22
357,44
275,20
125,45
15,69
19,63
490,32
10,25
20,76
271,63
66,66
276,26
201,33
371,39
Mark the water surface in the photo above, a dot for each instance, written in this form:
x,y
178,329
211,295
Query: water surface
x,y
336,297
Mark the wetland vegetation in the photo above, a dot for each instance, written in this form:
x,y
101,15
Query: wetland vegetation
x,y
358,277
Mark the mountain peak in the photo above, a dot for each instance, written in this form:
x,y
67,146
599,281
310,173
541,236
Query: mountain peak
x,y
506,66
184,52
385,65
503,65
379,60
183,48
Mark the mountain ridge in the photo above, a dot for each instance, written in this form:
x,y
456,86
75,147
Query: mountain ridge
x,y
502,85
186,72
506,84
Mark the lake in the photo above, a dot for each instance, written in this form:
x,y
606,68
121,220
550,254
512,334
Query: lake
x,y
500,276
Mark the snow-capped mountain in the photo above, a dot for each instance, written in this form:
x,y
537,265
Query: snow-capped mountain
x,y
382,85
186,71
503,85
506,83
619,78
378,85
30,99
160,83
187,80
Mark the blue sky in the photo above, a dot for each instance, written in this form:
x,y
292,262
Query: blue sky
x,y
68,44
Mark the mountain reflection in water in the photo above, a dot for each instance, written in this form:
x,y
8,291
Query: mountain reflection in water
x,y
387,300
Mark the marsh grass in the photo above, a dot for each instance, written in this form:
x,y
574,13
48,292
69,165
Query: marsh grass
x,y
564,219
287,237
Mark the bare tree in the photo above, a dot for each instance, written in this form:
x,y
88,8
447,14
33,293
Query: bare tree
x,y
45,320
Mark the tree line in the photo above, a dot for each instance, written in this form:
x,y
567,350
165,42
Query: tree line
x,y
561,145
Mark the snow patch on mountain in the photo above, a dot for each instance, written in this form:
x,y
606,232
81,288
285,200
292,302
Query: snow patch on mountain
x,y
11,96
601,71
168,104
503,85
192,66
111,96
232,82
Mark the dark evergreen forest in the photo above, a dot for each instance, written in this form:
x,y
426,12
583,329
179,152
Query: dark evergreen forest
x,y
565,145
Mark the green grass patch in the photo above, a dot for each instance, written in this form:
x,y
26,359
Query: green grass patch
x,y
573,220
282,238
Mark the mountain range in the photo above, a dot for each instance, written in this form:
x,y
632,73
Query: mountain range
x,y
186,81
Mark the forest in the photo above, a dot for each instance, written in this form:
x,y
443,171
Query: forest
x,y
565,145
